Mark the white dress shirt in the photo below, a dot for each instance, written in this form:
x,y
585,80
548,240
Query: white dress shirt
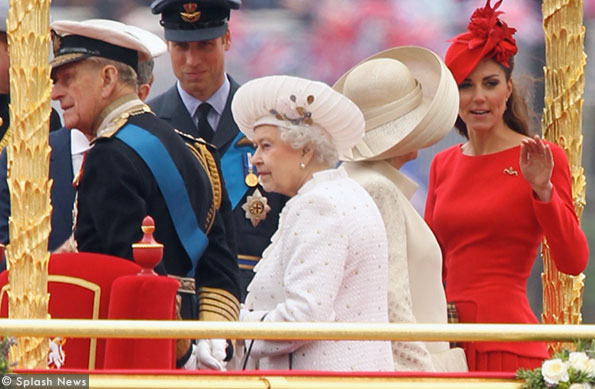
x,y
79,144
217,102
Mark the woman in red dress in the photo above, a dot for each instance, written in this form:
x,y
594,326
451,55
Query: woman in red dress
x,y
492,199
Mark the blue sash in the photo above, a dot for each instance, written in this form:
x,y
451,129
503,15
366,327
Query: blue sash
x,y
233,169
172,187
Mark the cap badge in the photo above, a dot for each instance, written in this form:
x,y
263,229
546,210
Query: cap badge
x,y
191,15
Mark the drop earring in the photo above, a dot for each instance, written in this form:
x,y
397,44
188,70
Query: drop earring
x,y
302,165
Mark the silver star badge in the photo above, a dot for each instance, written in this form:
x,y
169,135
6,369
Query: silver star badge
x,y
256,207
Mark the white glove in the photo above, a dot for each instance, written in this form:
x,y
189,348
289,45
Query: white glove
x,y
191,362
210,354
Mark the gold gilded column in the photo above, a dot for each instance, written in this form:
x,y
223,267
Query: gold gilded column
x,y
562,124
28,167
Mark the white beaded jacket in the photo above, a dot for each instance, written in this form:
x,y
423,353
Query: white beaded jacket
x,y
327,262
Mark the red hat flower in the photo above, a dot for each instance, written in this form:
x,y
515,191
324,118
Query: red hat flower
x,y
487,36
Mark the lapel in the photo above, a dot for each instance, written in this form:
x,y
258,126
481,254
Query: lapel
x,y
175,113
227,128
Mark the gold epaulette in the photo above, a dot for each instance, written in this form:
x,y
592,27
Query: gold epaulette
x,y
216,304
202,151
119,121
190,138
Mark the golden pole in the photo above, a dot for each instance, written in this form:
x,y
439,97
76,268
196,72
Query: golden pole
x,y
189,329
565,61
28,166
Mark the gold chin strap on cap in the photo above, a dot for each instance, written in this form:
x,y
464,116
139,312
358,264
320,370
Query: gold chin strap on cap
x,y
217,305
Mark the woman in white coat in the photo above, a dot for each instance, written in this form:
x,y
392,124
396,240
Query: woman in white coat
x,y
327,262
410,101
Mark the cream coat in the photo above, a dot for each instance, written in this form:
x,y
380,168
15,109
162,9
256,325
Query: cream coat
x,y
415,292
327,262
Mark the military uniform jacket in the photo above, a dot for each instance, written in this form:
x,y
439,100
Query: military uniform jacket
x,y
251,241
117,190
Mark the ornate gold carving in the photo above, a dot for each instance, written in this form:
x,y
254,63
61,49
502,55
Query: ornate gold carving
x,y
28,35
561,123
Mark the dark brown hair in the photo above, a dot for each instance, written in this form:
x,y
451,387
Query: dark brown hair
x,y
517,114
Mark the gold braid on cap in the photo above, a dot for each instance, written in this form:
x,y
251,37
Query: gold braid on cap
x,y
216,304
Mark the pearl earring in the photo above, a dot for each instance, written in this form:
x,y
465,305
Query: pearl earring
x,y
302,165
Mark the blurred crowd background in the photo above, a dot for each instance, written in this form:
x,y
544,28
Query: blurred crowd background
x,y
321,39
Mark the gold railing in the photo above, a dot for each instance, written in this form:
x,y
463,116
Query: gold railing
x,y
295,331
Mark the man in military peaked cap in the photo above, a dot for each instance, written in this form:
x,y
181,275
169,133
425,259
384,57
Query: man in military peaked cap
x,y
199,20
199,104
138,166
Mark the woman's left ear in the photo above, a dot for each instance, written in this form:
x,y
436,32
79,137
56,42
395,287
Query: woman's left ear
x,y
307,154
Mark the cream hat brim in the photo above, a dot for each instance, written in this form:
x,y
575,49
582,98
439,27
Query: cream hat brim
x,y
391,133
338,116
107,31
152,42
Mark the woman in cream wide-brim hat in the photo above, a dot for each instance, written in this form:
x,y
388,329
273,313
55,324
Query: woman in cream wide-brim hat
x,y
331,240
410,101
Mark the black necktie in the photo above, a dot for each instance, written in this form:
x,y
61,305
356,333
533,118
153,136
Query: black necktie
x,y
204,128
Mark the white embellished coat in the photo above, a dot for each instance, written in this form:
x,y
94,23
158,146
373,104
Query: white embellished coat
x,y
415,292
327,262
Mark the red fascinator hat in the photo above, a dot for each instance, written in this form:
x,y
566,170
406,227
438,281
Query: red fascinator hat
x,y
487,36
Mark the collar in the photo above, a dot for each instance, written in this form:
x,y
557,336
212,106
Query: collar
x,y
322,176
116,114
78,142
217,99
405,184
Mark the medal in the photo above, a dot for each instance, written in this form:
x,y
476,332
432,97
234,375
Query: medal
x,y
256,207
251,179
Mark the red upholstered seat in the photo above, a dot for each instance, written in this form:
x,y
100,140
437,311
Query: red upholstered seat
x,y
96,286
142,297
79,285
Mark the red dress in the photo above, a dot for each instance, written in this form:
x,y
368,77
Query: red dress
x,y
489,225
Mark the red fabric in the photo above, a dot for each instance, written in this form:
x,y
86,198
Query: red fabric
x,y
69,301
498,360
142,297
489,226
